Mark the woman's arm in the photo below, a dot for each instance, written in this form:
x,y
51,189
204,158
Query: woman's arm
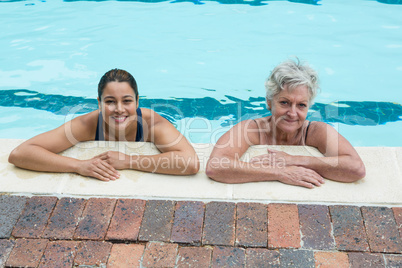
x,y
340,162
224,164
40,153
177,154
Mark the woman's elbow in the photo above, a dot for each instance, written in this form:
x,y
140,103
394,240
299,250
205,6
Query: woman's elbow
x,y
214,174
360,171
191,167
13,156
357,173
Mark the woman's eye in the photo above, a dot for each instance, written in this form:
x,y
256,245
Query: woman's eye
x,y
128,101
303,105
109,102
283,102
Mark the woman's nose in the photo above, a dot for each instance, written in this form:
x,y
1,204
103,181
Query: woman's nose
x,y
292,110
119,107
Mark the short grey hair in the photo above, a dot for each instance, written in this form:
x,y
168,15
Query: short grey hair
x,y
292,73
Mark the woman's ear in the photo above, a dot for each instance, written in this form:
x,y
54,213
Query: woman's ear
x,y
269,103
138,101
99,103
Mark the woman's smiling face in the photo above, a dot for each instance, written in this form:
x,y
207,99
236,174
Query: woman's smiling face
x,y
289,108
118,105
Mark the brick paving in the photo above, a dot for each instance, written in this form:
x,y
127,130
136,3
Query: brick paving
x,y
43,231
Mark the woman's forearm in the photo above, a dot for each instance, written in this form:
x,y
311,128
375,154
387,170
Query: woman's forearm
x,y
234,171
39,159
339,168
173,163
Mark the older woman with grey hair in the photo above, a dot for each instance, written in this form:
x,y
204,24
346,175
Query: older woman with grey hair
x,y
291,89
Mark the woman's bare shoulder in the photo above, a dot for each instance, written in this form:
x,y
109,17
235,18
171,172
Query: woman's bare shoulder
x,y
84,126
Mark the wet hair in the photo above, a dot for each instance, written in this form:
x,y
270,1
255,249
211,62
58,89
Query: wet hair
x,y
292,73
117,75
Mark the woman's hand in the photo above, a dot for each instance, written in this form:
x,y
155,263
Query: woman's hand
x,y
300,176
97,168
116,159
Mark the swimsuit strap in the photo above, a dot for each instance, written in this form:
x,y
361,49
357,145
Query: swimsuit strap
x,y
140,132
99,129
259,132
139,135
305,138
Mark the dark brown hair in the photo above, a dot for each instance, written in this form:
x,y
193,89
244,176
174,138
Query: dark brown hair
x,y
117,75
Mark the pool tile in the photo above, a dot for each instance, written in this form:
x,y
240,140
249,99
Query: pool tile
x,y
219,224
95,219
59,254
228,257
65,218
11,208
159,254
331,259
262,257
348,228
296,258
34,218
125,256
157,221
6,247
27,252
188,221
382,231
199,257
283,226
358,260
92,253
251,225
316,228
126,220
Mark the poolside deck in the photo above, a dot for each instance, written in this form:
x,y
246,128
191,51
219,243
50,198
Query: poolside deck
x,y
148,220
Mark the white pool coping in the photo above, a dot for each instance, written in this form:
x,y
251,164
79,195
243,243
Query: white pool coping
x,y
381,186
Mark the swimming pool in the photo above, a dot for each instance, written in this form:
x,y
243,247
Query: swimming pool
x,y
202,64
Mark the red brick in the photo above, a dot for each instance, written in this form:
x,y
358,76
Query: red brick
x,y
331,259
5,249
27,253
398,219
228,257
283,226
123,255
382,232
64,219
160,255
251,227
126,220
316,228
262,257
93,253
358,260
349,231
10,209
199,257
219,224
158,220
33,219
95,219
188,220
393,260
59,254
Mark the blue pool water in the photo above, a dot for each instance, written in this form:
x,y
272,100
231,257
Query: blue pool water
x,y
202,64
